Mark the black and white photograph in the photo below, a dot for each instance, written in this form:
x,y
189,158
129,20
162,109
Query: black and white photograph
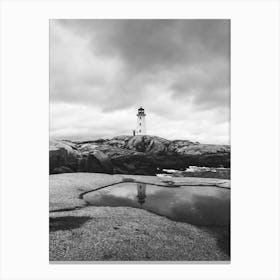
x,y
139,140
139,153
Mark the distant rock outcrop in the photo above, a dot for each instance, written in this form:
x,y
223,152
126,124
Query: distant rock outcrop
x,y
140,154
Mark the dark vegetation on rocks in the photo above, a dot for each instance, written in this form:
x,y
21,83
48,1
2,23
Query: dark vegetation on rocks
x,y
141,154
67,222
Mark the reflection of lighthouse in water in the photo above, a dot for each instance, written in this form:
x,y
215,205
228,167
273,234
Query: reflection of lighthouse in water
x,y
141,193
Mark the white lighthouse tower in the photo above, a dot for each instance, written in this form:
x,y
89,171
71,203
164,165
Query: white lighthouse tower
x,y
141,123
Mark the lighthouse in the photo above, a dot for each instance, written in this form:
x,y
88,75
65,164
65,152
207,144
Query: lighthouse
x,y
141,123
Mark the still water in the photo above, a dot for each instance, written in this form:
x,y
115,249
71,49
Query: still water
x,y
195,205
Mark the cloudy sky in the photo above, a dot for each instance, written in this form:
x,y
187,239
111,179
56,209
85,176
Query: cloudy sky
x,y
101,71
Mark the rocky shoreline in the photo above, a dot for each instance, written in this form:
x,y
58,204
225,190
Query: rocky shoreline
x,y
140,155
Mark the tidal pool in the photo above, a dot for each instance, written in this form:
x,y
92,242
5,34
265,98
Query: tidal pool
x,y
198,205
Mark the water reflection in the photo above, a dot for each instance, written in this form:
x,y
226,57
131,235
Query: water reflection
x,y
196,205
141,193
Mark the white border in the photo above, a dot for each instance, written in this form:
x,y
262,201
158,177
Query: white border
x,y
254,128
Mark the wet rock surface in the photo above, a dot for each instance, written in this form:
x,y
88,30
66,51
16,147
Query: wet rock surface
x,y
141,154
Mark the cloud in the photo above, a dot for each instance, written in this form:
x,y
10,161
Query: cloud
x,y
177,69
152,44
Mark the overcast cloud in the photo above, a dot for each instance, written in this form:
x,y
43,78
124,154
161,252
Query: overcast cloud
x,y
101,71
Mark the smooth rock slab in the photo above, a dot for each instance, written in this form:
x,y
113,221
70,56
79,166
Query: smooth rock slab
x,y
127,234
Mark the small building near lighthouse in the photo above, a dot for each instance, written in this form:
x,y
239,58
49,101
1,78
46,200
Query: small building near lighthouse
x,y
141,122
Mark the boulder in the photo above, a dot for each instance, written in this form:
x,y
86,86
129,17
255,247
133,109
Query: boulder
x,y
140,154
98,162
57,158
147,144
